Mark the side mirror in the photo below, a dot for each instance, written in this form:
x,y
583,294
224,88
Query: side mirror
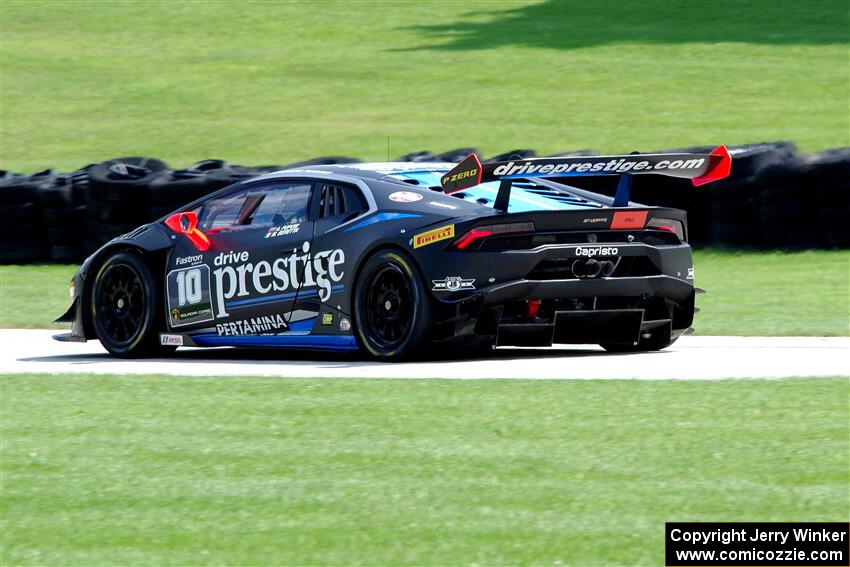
x,y
187,225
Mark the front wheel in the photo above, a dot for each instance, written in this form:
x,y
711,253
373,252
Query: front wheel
x,y
125,302
392,309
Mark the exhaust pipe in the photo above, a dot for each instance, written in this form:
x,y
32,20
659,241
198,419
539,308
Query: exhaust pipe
x,y
593,268
578,268
608,268
586,268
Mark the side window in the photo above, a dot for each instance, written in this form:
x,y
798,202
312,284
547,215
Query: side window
x,y
341,201
260,206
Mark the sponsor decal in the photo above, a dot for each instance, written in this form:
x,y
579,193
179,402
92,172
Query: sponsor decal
x,y
188,291
690,275
284,230
267,324
405,197
594,220
465,174
597,165
453,283
170,340
441,205
344,324
191,260
628,219
327,319
231,258
435,235
460,175
596,251
236,276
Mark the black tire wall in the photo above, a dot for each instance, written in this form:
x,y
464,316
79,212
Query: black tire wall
x,y
775,198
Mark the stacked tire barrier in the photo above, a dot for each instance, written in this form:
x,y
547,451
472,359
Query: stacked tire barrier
x,y
56,217
775,198
118,197
63,209
20,216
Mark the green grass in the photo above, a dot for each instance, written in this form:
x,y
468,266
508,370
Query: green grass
x,y
749,293
773,293
166,470
273,82
32,296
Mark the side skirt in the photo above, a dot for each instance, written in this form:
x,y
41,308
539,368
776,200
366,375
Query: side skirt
x,y
342,343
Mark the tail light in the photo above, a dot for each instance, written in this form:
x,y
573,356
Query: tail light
x,y
480,232
669,225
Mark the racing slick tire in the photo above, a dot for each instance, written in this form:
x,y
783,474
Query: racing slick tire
x,y
512,154
124,181
456,155
124,307
18,215
324,160
65,217
392,307
424,155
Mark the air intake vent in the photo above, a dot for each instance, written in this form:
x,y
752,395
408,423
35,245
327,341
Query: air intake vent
x,y
133,233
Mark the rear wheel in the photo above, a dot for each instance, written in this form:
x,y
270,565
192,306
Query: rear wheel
x,y
392,310
125,307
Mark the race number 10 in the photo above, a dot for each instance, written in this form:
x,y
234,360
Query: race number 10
x,y
189,287
188,294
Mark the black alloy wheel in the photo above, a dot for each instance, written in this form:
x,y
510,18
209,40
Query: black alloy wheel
x,y
392,307
389,306
126,307
121,304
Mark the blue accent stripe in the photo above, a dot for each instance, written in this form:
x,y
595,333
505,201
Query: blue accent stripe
x,y
342,343
303,325
242,303
259,300
381,217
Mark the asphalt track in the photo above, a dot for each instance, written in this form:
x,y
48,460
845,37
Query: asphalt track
x,y
691,358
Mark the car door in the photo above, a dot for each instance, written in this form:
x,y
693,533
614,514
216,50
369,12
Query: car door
x,y
336,207
248,280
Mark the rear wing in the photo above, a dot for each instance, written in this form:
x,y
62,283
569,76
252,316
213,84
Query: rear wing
x,y
699,168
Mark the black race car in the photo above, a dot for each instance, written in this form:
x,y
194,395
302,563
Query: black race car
x,y
395,257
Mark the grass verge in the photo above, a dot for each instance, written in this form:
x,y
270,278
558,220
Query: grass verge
x,y
773,293
168,470
277,82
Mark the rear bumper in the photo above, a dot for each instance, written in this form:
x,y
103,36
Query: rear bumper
x,y
659,286
625,326
645,306
537,297
604,310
